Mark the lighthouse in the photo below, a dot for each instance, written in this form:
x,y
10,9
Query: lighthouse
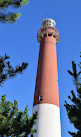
x,y
46,96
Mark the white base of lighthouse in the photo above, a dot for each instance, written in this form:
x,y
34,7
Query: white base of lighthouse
x,y
48,122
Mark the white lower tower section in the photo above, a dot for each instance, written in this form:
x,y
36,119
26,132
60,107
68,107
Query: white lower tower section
x,y
48,122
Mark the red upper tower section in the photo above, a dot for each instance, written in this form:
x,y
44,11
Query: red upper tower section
x,y
46,89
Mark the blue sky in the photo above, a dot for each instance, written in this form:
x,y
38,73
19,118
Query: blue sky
x,y
19,41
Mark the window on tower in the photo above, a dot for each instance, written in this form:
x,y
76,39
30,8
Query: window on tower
x,y
40,97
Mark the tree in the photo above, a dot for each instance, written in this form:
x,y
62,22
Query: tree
x,y
14,122
7,71
10,17
74,109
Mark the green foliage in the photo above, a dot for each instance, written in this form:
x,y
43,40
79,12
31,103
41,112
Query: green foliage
x,y
10,17
74,109
14,122
7,71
